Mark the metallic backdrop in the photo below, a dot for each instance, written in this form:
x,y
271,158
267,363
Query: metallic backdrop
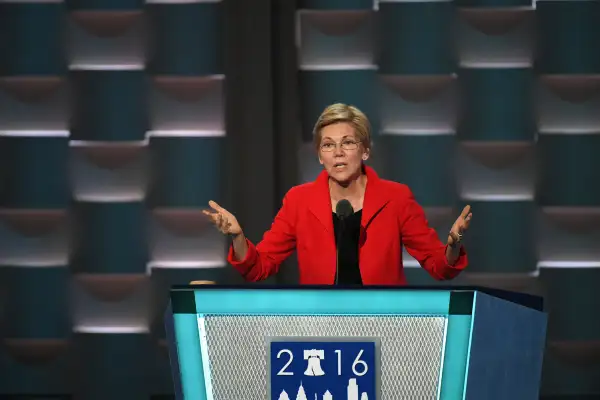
x,y
119,120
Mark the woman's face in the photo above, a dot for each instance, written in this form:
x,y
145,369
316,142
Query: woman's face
x,y
341,153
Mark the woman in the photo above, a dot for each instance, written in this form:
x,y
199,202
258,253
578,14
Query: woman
x,y
369,248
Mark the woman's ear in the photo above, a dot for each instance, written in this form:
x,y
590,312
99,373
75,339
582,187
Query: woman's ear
x,y
365,155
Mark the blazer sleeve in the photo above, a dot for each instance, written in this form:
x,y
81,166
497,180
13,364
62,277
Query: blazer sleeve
x,y
278,243
423,243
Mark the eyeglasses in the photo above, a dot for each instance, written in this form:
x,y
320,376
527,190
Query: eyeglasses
x,y
346,145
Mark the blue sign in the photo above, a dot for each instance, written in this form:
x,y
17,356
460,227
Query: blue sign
x,y
323,370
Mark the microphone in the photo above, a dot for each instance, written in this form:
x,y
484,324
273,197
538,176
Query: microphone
x,y
343,209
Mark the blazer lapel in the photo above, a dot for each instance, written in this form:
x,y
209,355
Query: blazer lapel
x,y
321,206
376,198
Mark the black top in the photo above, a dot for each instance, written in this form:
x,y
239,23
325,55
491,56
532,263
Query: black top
x,y
348,271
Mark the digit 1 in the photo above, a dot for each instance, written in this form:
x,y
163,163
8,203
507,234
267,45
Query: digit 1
x,y
339,357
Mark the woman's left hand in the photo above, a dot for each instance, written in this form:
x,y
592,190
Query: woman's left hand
x,y
460,226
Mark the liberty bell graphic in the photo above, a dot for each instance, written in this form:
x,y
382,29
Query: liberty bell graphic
x,y
314,358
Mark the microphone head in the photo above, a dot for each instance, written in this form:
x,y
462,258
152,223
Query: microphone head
x,y
344,209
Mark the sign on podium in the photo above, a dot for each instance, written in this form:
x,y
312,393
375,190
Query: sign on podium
x,y
323,368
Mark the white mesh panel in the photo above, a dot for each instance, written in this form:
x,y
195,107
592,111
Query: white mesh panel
x,y
410,347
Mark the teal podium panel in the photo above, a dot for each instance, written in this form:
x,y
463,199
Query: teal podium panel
x,y
372,343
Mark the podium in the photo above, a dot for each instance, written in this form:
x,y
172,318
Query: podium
x,y
425,342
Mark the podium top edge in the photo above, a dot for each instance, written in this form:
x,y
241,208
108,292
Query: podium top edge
x,y
523,299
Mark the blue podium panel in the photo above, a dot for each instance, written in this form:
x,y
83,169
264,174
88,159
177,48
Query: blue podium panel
x,y
328,343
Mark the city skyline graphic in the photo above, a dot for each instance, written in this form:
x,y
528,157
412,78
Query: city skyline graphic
x,y
352,393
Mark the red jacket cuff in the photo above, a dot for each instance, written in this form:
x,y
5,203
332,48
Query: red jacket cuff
x,y
243,266
460,263
443,270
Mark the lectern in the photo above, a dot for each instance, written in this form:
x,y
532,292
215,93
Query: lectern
x,y
259,342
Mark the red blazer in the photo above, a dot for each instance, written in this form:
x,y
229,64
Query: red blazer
x,y
390,217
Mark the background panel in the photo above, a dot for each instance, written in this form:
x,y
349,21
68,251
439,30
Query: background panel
x,y
182,106
496,170
493,4
568,104
569,170
337,39
34,238
37,302
410,46
335,4
31,39
495,37
36,367
110,106
567,34
98,376
580,287
106,39
35,322
509,223
110,303
186,171
184,238
507,115
110,238
104,5
569,236
36,172
185,39
419,161
425,105
109,171
34,105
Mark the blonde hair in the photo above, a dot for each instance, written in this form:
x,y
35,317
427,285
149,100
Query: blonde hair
x,y
340,112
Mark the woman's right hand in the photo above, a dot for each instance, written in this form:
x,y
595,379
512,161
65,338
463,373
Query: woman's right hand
x,y
225,222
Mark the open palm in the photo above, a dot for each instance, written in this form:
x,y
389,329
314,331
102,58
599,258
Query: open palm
x,y
462,222
222,219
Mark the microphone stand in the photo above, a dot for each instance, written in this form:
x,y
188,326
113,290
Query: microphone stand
x,y
337,249
343,209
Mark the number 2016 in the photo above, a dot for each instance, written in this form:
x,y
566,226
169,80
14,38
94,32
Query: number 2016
x,y
359,367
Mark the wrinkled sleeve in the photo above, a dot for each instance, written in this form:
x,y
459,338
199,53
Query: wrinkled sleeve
x,y
278,243
423,244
